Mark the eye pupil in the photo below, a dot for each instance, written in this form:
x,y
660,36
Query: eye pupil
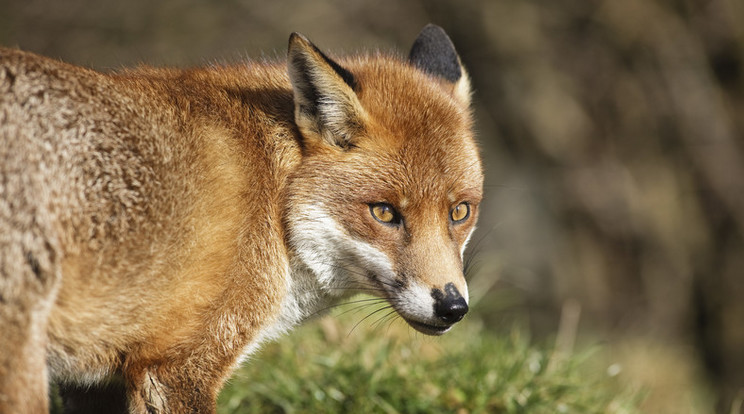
x,y
383,213
460,212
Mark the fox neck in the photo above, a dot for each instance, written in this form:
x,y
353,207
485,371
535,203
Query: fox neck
x,y
323,267
305,298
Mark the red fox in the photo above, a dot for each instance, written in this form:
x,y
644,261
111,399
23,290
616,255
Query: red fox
x,y
158,225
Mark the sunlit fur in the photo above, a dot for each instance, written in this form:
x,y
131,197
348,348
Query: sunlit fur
x,y
414,152
157,225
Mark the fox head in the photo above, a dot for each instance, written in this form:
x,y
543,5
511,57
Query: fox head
x,y
387,193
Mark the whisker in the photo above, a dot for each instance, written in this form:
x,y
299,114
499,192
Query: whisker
x,y
367,317
473,251
362,306
382,319
362,274
366,301
392,320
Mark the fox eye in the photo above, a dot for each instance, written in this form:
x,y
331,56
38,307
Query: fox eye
x,y
460,213
384,213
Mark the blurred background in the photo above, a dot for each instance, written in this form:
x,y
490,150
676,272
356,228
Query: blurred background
x,y
612,138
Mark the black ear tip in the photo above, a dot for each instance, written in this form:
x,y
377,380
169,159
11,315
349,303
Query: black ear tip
x,y
432,29
434,34
434,53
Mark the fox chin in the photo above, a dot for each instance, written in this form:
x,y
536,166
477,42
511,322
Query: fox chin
x,y
157,224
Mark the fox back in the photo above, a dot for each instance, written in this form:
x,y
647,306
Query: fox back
x,y
158,225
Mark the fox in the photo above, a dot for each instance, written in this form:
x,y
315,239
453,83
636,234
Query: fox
x,y
157,225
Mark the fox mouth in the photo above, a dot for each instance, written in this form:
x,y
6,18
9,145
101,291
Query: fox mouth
x,y
428,329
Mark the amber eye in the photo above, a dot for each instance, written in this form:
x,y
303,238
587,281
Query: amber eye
x,y
384,213
460,212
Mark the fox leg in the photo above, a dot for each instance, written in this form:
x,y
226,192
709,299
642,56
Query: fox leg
x,y
159,391
28,280
177,383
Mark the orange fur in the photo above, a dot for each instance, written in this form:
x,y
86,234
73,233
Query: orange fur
x,y
159,223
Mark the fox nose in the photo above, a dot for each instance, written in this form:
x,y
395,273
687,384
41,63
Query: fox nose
x,y
449,306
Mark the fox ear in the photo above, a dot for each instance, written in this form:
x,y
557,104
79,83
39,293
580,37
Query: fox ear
x,y
324,97
434,53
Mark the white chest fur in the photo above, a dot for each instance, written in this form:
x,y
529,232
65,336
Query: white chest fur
x,y
305,299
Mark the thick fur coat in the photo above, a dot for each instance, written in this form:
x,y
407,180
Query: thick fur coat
x,y
156,225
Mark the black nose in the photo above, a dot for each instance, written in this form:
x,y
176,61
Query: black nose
x,y
449,306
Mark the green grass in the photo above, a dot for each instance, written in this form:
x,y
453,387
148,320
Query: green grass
x,y
389,368
339,365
